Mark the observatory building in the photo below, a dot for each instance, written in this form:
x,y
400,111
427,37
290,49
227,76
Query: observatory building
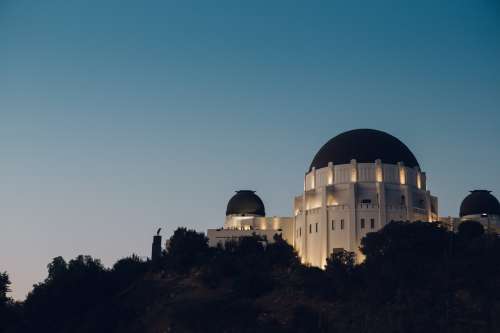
x,y
481,206
357,182
246,215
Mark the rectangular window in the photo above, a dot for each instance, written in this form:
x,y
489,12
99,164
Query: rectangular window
x,y
316,227
310,228
362,223
333,224
300,231
372,223
342,224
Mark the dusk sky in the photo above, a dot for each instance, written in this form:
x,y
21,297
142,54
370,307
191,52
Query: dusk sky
x,y
119,117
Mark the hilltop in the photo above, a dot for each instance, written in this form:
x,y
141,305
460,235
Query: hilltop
x,y
416,277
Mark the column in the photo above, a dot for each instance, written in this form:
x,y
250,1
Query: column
x,y
323,225
352,223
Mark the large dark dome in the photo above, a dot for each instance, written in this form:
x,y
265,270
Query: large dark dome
x,y
245,202
365,146
479,202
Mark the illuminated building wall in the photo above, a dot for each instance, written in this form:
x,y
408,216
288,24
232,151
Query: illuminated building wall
x,y
358,182
347,201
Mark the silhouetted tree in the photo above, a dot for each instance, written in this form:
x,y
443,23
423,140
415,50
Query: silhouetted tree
x,y
68,292
407,265
248,265
342,259
10,311
402,252
4,286
249,251
469,230
339,269
281,254
127,270
310,280
186,249
58,268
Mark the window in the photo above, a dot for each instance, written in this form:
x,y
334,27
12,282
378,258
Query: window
x,y
342,224
362,223
300,231
316,227
333,224
310,228
372,223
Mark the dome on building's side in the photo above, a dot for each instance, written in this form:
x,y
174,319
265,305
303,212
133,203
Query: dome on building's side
x,y
479,202
245,202
365,146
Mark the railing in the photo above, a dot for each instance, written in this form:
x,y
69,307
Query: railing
x,y
312,211
341,207
368,206
398,207
419,211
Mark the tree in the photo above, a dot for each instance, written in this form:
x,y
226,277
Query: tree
x,y
340,271
469,230
85,265
342,259
407,268
406,245
69,291
129,265
247,264
9,309
186,249
129,269
281,254
57,268
4,287
249,250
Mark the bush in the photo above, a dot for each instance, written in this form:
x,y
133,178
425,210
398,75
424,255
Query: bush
x,y
340,271
186,249
469,230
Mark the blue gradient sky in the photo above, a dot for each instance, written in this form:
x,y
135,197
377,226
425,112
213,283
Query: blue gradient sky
x,y
117,117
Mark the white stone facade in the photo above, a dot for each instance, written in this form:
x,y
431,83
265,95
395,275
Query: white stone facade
x,y
236,226
342,203
343,199
339,206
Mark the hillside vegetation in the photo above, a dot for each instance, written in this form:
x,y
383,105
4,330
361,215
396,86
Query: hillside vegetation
x,y
417,277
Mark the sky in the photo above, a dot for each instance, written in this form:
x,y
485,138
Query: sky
x,y
118,117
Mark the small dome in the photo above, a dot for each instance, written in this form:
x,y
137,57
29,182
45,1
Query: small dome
x,y
365,146
245,202
479,202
